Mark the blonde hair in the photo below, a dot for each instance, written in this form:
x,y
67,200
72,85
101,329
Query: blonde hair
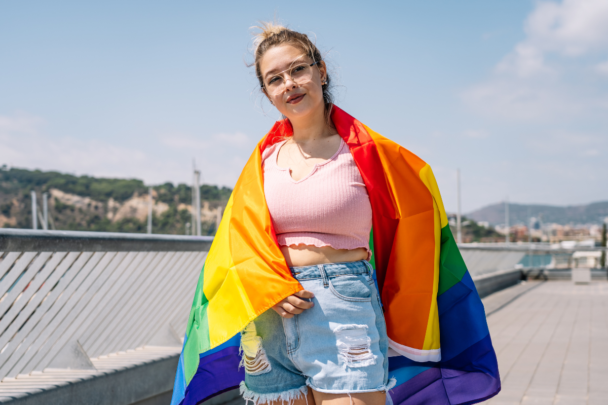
x,y
271,34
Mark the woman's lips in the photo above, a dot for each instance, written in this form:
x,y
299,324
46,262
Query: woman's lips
x,y
295,99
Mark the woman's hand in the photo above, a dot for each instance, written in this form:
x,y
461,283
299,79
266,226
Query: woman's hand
x,y
294,304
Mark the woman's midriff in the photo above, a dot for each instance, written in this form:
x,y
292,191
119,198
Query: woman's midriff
x,y
304,255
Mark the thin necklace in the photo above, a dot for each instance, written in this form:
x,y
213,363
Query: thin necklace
x,y
301,153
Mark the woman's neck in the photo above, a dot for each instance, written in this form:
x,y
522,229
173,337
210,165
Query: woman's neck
x,y
312,128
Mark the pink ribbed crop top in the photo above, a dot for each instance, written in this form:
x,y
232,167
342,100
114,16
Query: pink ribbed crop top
x,y
328,207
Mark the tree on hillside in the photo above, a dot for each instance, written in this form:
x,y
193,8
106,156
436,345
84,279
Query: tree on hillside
x,y
106,196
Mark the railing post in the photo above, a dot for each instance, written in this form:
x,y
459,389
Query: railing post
x,y
34,211
150,203
45,211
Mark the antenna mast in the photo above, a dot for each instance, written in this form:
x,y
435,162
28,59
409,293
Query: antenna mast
x,y
196,200
508,229
150,203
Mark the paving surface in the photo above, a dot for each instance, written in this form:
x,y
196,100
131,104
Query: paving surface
x,y
551,339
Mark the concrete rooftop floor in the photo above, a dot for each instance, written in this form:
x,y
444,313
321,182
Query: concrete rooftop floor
x,y
552,343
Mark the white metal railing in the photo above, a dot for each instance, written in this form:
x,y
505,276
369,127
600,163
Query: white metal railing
x,y
533,247
485,258
67,297
482,261
102,293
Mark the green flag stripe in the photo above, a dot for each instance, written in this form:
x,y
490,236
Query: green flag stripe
x,y
197,332
372,261
451,265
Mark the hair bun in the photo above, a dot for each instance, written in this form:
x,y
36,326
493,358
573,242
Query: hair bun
x,y
265,31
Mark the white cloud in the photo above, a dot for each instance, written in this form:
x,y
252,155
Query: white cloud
x,y
184,141
544,77
221,157
512,99
602,68
19,123
591,152
189,142
564,144
475,134
572,28
24,143
526,60
237,139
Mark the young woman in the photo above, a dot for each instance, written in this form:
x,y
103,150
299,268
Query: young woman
x,y
327,343
288,303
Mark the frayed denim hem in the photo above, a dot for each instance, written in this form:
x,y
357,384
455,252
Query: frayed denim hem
x,y
389,385
286,396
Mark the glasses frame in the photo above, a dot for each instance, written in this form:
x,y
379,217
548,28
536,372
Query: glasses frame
x,y
283,71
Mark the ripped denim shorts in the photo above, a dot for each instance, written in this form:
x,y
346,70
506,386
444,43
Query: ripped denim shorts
x,y
338,346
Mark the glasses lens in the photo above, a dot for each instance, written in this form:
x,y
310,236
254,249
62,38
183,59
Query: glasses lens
x,y
301,73
275,84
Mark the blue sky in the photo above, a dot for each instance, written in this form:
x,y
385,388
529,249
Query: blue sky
x,y
512,92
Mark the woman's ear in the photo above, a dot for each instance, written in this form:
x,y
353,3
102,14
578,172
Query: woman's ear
x,y
323,72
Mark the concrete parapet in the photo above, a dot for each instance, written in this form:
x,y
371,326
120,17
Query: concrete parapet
x,y
561,274
499,280
145,383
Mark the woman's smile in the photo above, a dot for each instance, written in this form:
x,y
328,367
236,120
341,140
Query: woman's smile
x,y
295,98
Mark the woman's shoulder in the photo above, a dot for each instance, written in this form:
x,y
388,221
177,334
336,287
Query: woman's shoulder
x,y
272,150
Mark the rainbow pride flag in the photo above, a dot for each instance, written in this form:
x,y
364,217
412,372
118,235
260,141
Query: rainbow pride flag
x,y
441,351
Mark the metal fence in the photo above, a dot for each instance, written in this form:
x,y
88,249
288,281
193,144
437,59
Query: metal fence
x,y
66,297
481,261
485,258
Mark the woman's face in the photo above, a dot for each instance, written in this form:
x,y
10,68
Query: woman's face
x,y
293,99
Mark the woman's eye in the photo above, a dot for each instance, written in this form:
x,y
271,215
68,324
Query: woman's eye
x,y
298,69
274,80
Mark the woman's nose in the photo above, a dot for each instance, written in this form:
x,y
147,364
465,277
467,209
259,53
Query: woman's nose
x,y
290,83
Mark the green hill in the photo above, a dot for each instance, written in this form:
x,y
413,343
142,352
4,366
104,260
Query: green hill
x,y
104,204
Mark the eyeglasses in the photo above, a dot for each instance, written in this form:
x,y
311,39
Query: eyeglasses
x,y
300,74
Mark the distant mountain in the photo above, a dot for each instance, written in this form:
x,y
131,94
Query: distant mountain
x,y
519,213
